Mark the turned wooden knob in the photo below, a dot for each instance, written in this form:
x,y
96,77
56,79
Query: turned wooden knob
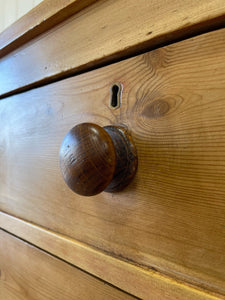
x,y
95,159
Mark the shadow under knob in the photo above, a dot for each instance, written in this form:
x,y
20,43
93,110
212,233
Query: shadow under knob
x,y
94,159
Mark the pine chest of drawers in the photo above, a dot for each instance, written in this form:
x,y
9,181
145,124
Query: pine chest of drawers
x,y
154,69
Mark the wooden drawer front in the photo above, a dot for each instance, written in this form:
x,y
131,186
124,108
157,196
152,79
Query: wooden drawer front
x,y
93,35
171,218
29,273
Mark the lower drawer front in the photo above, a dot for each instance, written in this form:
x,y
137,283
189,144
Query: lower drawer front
x,y
29,273
171,217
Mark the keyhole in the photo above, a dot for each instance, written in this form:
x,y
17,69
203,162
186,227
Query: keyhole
x,y
115,94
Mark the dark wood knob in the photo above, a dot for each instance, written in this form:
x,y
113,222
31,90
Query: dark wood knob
x,y
95,159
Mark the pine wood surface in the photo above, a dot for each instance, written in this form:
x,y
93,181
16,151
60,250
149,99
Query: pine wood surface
x,y
101,33
40,19
145,284
28,273
171,218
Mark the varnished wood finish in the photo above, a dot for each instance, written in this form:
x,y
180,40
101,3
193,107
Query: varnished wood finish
x,y
94,159
171,218
40,19
145,284
106,31
126,158
28,273
87,159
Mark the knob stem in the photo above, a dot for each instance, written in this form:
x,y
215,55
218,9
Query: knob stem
x,y
126,158
95,159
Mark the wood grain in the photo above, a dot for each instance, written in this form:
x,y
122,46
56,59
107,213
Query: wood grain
x,y
87,159
28,273
171,218
40,19
145,284
104,32
94,159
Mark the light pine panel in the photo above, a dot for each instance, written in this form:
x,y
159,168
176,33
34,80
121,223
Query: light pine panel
x,y
103,32
38,20
12,10
29,273
145,284
171,218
